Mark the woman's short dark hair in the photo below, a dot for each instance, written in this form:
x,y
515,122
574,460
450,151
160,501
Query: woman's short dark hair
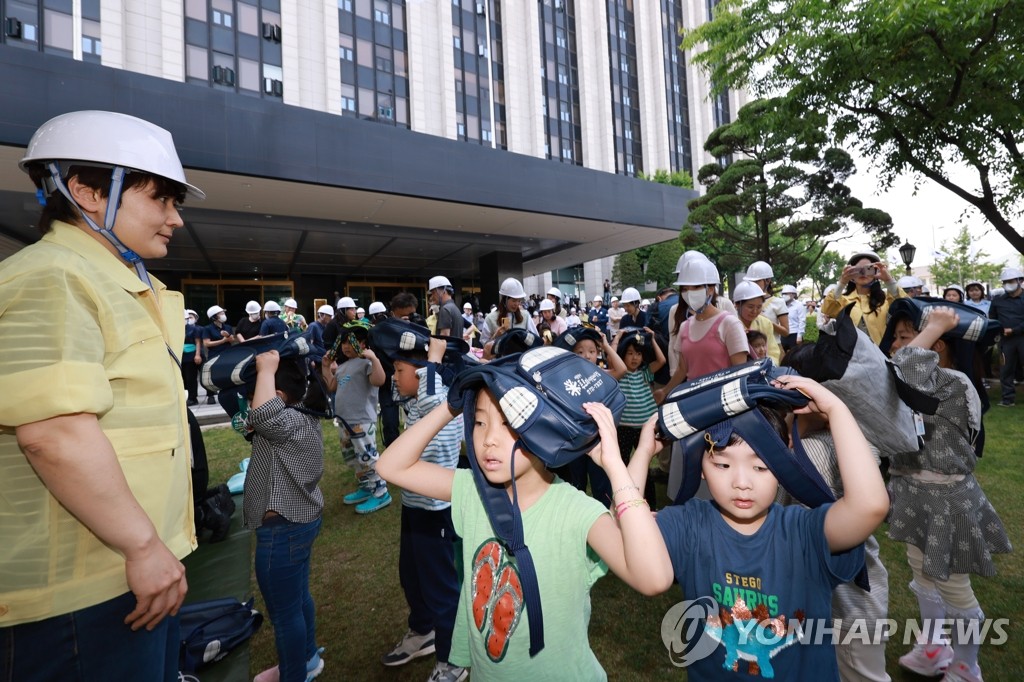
x,y
97,177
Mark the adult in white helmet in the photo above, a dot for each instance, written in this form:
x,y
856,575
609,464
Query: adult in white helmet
x,y
272,322
797,317
976,296
775,308
449,318
1008,309
555,295
866,282
635,316
291,317
910,285
346,309
709,339
510,314
749,301
615,314
249,326
555,324
95,447
954,293
316,329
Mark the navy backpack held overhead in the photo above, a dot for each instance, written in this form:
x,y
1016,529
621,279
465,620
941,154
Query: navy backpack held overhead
x,y
236,365
393,338
541,393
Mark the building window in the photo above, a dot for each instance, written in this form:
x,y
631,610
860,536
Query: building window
x,y
345,5
381,16
346,53
222,19
348,103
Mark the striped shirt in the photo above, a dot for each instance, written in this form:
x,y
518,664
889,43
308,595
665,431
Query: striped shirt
x,y
444,448
640,405
286,465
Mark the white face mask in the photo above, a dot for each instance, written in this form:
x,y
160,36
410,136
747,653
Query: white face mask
x,y
254,316
221,317
1010,287
696,299
192,320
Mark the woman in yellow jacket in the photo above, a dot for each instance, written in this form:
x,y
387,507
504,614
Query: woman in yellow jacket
x,y
862,284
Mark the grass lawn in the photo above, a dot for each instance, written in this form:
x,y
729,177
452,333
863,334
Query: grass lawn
x,y
361,611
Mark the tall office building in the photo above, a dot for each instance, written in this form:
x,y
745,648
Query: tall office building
x,y
361,146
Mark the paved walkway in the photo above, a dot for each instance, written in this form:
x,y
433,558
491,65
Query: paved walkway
x,y
209,415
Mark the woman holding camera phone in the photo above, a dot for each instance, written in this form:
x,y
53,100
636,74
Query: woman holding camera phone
x,y
867,282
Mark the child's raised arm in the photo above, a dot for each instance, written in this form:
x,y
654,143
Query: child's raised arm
x,y
659,357
266,368
616,367
377,375
401,465
865,502
633,548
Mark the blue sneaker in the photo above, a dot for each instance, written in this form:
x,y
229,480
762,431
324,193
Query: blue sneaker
x,y
361,495
374,503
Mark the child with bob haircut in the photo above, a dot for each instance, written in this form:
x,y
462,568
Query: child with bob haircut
x,y
643,357
565,540
938,507
283,505
759,565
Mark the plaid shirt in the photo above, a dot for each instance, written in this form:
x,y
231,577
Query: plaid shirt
x,y
286,465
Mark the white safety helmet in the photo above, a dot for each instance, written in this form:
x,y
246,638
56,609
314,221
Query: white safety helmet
x,y
789,289
467,306
955,287
909,282
697,271
191,312
556,292
271,307
437,282
758,270
686,257
630,295
110,139
547,304
252,307
290,303
745,291
615,299
325,310
861,255
346,302
512,288
187,315
360,311
214,310
597,299
1006,274
377,307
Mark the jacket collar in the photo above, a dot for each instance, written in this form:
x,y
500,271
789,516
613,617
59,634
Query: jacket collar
x,y
78,240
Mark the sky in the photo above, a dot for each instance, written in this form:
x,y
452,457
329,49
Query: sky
x,y
926,218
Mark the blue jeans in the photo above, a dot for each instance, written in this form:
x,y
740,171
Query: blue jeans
x,y
283,551
90,644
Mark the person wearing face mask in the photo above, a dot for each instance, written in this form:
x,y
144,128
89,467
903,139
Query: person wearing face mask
x,y
797,318
191,358
709,339
1008,309
249,326
217,335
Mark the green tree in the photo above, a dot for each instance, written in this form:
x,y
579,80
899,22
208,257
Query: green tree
x,y
654,263
921,86
959,263
826,271
784,198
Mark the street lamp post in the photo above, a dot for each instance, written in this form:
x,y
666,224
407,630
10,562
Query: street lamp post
x,y
907,253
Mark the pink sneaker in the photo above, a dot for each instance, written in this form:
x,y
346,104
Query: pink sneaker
x,y
930,660
959,672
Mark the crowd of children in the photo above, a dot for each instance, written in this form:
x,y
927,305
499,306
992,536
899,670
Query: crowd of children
x,y
515,610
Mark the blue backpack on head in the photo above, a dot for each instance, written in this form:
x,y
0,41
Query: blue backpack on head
x,y
541,393
714,407
236,365
394,339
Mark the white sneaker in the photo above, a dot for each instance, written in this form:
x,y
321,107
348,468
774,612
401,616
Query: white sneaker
x,y
446,672
413,645
959,672
930,660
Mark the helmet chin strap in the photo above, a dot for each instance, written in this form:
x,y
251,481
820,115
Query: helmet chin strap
x,y
113,197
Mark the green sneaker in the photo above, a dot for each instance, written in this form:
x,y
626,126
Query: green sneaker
x,y
373,504
359,496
